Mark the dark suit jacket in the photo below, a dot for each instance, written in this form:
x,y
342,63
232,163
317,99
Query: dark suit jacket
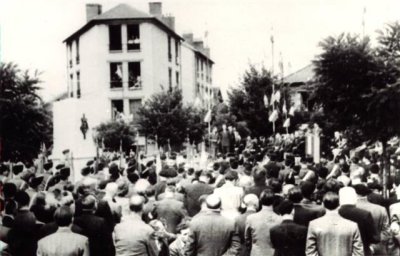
x,y
212,235
103,210
159,188
170,210
100,237
369,234
303,215
289,239
240,225
192,195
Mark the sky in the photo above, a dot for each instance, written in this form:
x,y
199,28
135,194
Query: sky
x,y
239,31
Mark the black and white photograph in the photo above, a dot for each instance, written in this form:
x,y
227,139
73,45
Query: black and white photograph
x,y
199,128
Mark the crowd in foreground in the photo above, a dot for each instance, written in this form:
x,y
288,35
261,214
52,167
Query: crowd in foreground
x,y
259,201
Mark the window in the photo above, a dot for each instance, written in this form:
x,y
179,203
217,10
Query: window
x,y
69,49
177,78
135,81
176,51
134,106
197,89
117,109
133,37
116,75
71,82
78,85
115,37
169,49
170,78
77,51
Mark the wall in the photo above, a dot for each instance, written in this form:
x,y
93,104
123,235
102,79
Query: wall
x,y
188,73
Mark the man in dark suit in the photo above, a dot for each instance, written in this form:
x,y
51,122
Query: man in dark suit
x,y
95,228
251,203
170,210
302,215
363,218
288,238
194,191
212,234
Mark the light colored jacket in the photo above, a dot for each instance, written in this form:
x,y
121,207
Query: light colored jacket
x,y
332,234
64,242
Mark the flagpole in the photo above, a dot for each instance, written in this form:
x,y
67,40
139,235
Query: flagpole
x,y
272,73
363,21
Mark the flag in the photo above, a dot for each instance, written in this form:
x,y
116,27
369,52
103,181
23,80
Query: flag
x,y
119,71
284,109
266,103
291,111
207,118
272,38
286,124
273,117
281,63
272,98
277,96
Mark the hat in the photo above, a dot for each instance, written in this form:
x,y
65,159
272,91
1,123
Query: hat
x,y
60,166
231,175
65,151
168,173
16,169
65,172
85,170
362,189
113,169
34,182
47,166
89,163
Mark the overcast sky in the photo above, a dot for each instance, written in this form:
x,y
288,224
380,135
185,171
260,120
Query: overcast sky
x,y
239,31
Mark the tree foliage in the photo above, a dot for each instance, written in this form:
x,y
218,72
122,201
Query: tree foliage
x,y
25,121
356,86
246,102
114,133
164,115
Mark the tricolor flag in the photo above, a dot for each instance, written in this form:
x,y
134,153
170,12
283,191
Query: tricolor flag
x,y
286,124
277,96
284,109
291,111
266,103
273,117
207,118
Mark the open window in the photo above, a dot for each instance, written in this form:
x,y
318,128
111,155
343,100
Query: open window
x,y
117,109
116,75
135,80
78,85
133,37
115,40
134,106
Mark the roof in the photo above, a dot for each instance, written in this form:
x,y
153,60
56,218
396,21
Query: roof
x,y
121,12
196,50
301,76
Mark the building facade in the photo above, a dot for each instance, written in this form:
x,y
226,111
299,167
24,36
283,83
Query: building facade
x,y
116,61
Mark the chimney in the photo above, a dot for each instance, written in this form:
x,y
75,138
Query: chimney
x,y
155,9
169,21
188,37
198,45
92,10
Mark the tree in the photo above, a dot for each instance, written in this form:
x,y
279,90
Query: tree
x,y
246,102
114,133
357,88
164,115
25,122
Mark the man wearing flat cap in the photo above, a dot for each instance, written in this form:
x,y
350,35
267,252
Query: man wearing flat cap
x,y
211,234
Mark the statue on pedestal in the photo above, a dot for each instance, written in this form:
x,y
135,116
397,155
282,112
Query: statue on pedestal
x,y
84,126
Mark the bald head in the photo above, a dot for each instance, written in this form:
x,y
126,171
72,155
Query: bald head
x,y
213,202
251,201
347,195
136,203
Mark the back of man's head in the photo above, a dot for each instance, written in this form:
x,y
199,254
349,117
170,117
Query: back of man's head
x,y
89,203
347,196
286,207
307,188
251,201
267,197
63,216
331,201
295,195
213,202
136,203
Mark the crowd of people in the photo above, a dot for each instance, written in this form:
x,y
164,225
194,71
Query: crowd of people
x,y
259,199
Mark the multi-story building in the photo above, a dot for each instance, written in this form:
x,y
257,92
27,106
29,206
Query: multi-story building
x,y
117,60
122,56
